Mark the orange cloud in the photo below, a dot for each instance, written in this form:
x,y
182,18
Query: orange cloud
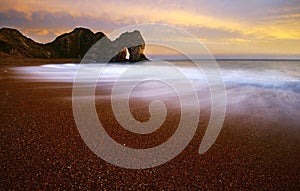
x,y
142,12
263,30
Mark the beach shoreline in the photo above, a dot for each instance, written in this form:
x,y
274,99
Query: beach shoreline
x,y
23,61
41,147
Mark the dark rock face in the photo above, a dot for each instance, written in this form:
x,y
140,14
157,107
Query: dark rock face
x,y
120,57
15,44
136,53
75,45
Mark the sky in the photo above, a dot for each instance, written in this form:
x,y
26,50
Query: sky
x,y
229,28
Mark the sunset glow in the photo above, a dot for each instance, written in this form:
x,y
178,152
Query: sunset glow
x,y
259,27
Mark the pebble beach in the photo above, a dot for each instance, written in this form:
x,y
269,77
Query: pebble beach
x,y
41,148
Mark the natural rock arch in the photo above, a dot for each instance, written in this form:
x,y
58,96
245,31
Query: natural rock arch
x,y
136,53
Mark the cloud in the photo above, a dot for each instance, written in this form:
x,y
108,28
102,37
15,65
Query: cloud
x,y
251,18
251,24
45,26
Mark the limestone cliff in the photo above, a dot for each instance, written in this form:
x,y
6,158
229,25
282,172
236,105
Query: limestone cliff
x,y
75,45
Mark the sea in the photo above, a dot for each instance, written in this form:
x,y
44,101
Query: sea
x,y
267,89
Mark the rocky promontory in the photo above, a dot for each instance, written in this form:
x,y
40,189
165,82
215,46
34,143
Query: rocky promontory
x,y
75,44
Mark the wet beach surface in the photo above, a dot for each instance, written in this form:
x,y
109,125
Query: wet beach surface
x,y
41,147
